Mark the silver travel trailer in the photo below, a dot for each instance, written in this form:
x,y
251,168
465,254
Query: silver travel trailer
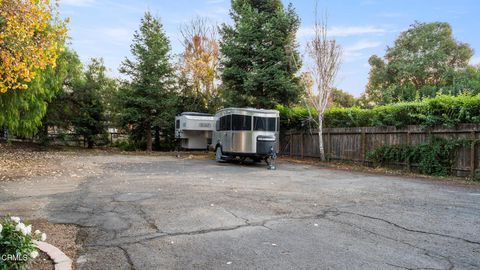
x,y
246,133
194,130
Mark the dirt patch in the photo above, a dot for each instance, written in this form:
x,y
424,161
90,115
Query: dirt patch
x,y
42,262
25,160
63,236
20,160
449,180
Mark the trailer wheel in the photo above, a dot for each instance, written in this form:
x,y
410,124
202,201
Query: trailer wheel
x,y
242,160
219,154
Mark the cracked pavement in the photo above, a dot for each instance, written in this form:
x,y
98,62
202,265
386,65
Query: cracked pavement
x,y
158,212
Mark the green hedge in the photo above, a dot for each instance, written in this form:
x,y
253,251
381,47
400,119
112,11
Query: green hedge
x,y
441,110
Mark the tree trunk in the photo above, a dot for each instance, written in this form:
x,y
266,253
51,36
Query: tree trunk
x,y
157,138
44,140
148,130
320,138
90,142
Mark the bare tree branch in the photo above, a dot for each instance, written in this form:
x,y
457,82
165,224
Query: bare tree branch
x,y
326,55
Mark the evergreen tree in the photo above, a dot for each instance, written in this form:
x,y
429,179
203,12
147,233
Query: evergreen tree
x,y
88,116
147,100
260,60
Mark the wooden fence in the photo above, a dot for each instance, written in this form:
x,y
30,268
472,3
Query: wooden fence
x,y
353,144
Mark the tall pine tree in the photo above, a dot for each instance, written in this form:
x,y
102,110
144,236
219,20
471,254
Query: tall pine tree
x,y
148,100
260,60
88,113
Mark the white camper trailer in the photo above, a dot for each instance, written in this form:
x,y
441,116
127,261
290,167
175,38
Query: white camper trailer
x,y
194,130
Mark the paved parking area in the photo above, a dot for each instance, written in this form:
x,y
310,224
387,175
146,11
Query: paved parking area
x,y
152,212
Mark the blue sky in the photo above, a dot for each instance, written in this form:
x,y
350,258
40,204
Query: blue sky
x,y
104,28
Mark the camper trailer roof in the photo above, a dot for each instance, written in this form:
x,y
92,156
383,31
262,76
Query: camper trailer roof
x,y
195,114
248,111
253,110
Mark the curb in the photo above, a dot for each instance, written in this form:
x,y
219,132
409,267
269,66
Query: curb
x,y
62,261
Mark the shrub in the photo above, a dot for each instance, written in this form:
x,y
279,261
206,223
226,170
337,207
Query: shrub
x,y
102,139
125,145
347,117
434,158
297,118
16,247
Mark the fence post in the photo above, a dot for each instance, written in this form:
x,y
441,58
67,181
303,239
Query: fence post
x,y
291,144
472,155
363,138
301,143
408,158
329,146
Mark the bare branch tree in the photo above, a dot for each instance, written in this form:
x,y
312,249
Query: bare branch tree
x,y
326,56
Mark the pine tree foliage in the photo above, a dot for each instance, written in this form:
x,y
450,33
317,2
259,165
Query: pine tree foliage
x,y
260,54
147,99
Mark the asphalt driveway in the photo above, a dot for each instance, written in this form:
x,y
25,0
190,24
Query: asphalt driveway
x,y
151,212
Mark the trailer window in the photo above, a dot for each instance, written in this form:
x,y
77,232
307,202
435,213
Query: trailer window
x,y
271,124
241,122
229,122
177,124
226,122
264,123
223,119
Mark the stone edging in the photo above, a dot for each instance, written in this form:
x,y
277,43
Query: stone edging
x,y
62,261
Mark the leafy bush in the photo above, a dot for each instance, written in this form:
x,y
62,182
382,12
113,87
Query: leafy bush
x,y
125,145
16,247
434,158
441,110
102,139
347,117
297,118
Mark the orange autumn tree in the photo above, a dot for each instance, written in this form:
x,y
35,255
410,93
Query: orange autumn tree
x,y
199,62
31,36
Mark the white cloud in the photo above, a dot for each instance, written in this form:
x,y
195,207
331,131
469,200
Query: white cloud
x,y
217,13
362,45
118,33
78,3
305,32
352,56
343,31
354,52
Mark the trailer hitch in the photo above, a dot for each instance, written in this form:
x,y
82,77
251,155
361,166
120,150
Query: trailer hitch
x,y
271,159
